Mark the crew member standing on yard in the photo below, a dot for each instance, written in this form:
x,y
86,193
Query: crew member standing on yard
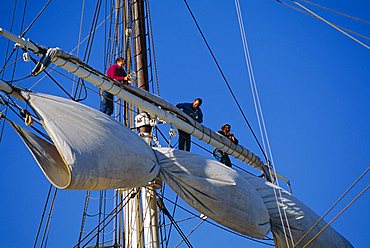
x,y
194,111
115,72
221,156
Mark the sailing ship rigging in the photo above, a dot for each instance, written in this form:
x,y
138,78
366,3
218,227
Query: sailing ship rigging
x,y
67,167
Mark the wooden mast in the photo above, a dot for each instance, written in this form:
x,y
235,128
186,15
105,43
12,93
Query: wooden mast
x,y
148,193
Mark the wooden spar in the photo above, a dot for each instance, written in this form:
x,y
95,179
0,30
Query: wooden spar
x,y
146,101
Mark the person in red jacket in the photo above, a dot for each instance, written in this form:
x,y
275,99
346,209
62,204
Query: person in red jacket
x,y
116,72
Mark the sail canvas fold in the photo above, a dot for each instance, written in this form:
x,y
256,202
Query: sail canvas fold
x,y
300,219
47,156
98,152
214,190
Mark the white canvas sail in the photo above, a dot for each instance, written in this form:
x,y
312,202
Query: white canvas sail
x,y
97,151
93,151
215,190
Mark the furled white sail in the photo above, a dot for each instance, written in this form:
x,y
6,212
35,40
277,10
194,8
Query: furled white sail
x,y
240,201
300,217
98,152
215,190
92,151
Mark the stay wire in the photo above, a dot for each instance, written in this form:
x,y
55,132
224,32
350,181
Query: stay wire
x,y
340,213
42,216
88,50
336,12
173,221
195,228
108,215
173,214
35,19
226,81
335,204
47,226
6,58
153,50
331,24
219,226
3,125
84,215
262,126
308,14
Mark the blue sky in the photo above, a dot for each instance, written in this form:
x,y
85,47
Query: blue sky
x,y
313,84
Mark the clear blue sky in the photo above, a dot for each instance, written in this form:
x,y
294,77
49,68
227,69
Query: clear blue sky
x,y
313,84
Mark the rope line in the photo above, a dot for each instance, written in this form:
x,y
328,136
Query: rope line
x,y
225,80
42,215
110,214
262,126
308,14
340,213
336,12
219,226
6,58
339,199
332,25
35,19
151,36
48,221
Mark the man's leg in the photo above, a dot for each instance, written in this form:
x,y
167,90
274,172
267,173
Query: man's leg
x,y
181,140
188,142
106,103
226,160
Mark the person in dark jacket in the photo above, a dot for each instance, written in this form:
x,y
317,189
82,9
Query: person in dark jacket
x,y
194,111
221,156
116,72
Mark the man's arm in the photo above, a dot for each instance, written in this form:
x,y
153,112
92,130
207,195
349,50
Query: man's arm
x,y
116,75
199,117
180,105
233,139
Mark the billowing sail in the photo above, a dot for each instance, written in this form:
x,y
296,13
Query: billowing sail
x,y
92,151
97,151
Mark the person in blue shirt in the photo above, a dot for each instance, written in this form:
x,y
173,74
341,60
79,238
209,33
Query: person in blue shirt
x,y
194,111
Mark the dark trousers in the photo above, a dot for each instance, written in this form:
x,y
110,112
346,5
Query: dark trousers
x,y
222,157
184,141
106,103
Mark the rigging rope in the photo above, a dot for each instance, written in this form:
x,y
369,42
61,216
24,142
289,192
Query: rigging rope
x,y
339,199
332,25
118,208
340,213
195,228
308,14
78,90
262,125
336,12
47,225
42,216
35,19
225,80
219,226
84,214
151,39
173,221
79,39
